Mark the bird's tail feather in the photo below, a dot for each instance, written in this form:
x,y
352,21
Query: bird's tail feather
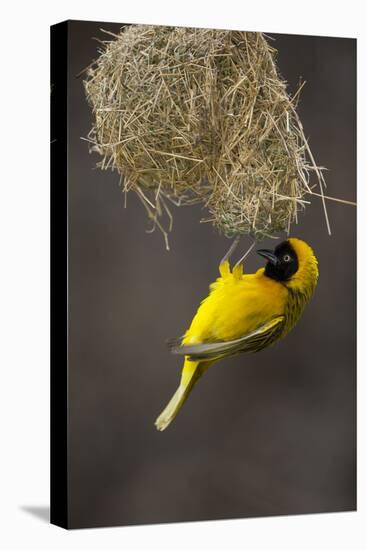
x,y
191,373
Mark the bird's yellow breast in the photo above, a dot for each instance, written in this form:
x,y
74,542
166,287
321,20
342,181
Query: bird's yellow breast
x,y
236,305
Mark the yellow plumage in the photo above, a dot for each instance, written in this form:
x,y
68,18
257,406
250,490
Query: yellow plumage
x,y
245,312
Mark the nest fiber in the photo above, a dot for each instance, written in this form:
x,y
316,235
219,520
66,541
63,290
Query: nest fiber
x,y
200,116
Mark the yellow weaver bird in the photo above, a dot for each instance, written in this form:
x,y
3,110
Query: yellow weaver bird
x,y
244,313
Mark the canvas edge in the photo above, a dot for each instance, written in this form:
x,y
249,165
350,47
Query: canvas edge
x,y
59,276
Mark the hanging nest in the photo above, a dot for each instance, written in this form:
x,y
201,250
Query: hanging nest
x,y
201,116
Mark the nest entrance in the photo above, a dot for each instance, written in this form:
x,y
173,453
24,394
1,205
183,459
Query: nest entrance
x,y
201,116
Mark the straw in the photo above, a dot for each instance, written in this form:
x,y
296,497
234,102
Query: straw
x,y
201,116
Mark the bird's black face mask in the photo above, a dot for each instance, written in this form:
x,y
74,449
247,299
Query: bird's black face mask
x,y
282,262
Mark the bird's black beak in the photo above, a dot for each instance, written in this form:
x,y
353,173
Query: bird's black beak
x,y
268,255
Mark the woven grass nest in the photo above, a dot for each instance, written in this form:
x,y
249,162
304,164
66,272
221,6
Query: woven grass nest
x,y
201,116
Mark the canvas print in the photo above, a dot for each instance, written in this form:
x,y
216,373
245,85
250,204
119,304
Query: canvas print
x,y
203,195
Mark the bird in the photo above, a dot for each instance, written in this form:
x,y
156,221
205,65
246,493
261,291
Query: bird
x,y
244,313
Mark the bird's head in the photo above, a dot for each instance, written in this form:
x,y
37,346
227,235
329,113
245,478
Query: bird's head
x,y
293,263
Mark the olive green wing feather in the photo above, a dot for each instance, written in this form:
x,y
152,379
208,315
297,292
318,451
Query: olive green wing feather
x,y
263,336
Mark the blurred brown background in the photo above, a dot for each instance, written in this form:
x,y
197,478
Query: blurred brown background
x,y
264,434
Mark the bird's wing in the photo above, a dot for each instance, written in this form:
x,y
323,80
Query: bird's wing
x,y
256,340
